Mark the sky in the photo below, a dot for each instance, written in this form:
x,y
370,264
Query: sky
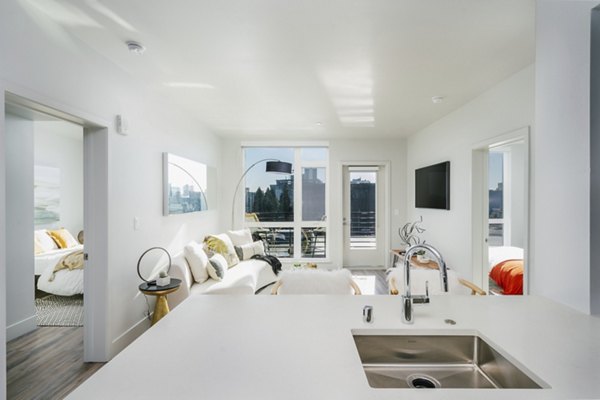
x,y
495,170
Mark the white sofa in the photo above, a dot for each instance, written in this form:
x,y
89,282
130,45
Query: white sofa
x,y
245,278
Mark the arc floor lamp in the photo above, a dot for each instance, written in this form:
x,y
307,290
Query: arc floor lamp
x,y
273,166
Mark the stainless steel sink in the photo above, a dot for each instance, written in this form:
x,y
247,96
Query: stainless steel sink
x,y
439,361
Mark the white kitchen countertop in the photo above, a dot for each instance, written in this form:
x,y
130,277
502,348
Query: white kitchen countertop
x,y
301,347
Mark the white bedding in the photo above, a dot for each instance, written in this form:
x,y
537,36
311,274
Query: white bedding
x,y
502,253
65,283
50,258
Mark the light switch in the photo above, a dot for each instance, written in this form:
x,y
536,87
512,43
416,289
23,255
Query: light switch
x,y
136,224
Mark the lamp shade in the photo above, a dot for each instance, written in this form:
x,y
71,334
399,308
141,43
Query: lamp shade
x,y
280,167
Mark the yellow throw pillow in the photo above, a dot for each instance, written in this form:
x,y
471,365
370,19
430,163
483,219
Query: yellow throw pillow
x,y
221,244
63,238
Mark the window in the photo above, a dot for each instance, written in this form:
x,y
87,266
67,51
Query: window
x,y
496,213
288,212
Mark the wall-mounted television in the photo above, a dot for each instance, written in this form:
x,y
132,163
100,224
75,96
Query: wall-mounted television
x,y
432,186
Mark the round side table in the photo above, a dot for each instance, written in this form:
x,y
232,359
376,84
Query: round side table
x,y
161,308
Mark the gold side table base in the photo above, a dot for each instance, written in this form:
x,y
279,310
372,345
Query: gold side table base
x,y
161,308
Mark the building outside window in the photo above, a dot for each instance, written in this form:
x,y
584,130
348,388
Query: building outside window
x,y
288,212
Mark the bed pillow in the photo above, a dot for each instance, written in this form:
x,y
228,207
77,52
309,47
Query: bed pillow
x,y
197,260
37,246
221,244
246,251
44,239
241,237
509,276
217,266
63,238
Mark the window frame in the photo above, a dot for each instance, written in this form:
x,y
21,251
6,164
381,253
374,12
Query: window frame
x,y
297,224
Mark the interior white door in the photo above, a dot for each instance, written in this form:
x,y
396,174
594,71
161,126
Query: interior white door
x,y
364,210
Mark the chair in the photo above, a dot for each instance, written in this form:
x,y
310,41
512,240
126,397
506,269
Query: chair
x,y
419,276
309,281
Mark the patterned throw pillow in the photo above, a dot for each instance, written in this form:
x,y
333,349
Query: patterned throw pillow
x,y
246,251
221,244
217,265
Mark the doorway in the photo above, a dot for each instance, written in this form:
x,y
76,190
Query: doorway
x,y
365,210
95,216
500,214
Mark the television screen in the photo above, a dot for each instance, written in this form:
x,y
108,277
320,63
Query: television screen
x,y
432,186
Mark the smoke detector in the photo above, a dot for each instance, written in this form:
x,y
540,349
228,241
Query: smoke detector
x,y
135,47
437,99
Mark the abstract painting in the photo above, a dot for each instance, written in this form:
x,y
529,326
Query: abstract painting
x,y
185,184
46,192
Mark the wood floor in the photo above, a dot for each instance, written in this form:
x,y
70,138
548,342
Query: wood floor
x,y
46,363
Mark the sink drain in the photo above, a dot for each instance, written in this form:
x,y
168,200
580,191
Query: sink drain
x,y
422,382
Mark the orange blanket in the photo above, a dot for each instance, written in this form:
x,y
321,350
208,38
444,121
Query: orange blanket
x,y
509,276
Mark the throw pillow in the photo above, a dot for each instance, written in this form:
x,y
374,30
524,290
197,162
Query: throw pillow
x,y
246,251
221,244
45,240
63,238
38,249
197,260
217,265
241,237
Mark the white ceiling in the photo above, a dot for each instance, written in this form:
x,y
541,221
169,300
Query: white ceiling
x,y
363,68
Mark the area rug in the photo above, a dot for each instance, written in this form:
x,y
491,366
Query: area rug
x,y
55,310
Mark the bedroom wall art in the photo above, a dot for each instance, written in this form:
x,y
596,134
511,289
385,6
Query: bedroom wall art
x,y
185,185
46,192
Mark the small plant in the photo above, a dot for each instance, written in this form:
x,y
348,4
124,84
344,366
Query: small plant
x,y
409,233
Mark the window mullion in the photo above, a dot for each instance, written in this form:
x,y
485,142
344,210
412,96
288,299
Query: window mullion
x,y
297,203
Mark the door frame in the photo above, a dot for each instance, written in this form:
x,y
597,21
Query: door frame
x,y
480,198
96,213
387,193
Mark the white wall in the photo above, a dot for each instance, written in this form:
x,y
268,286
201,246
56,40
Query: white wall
x,y
503,108
393,151
60,145
20,309
595,163
3,285
515,190
561,207
59,71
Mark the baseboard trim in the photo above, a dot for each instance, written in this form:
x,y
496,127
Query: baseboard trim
x,y
20,328
129,336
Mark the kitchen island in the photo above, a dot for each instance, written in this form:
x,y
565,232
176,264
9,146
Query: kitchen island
x,y
302,347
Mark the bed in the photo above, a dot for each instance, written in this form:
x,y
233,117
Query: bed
x,y
506,270
66,282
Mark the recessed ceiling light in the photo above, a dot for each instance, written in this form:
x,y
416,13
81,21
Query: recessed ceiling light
x,y
437,99
193,85
135,47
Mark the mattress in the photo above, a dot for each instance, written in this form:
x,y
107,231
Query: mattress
x,y
502,253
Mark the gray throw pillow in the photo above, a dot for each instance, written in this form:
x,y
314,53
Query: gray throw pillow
x,y
217,265
246,251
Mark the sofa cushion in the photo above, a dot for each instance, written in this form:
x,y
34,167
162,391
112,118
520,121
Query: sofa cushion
x,y
240,237
221,244
245,278
246,251
197,260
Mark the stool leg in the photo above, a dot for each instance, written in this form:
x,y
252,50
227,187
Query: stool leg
x,y
161,308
